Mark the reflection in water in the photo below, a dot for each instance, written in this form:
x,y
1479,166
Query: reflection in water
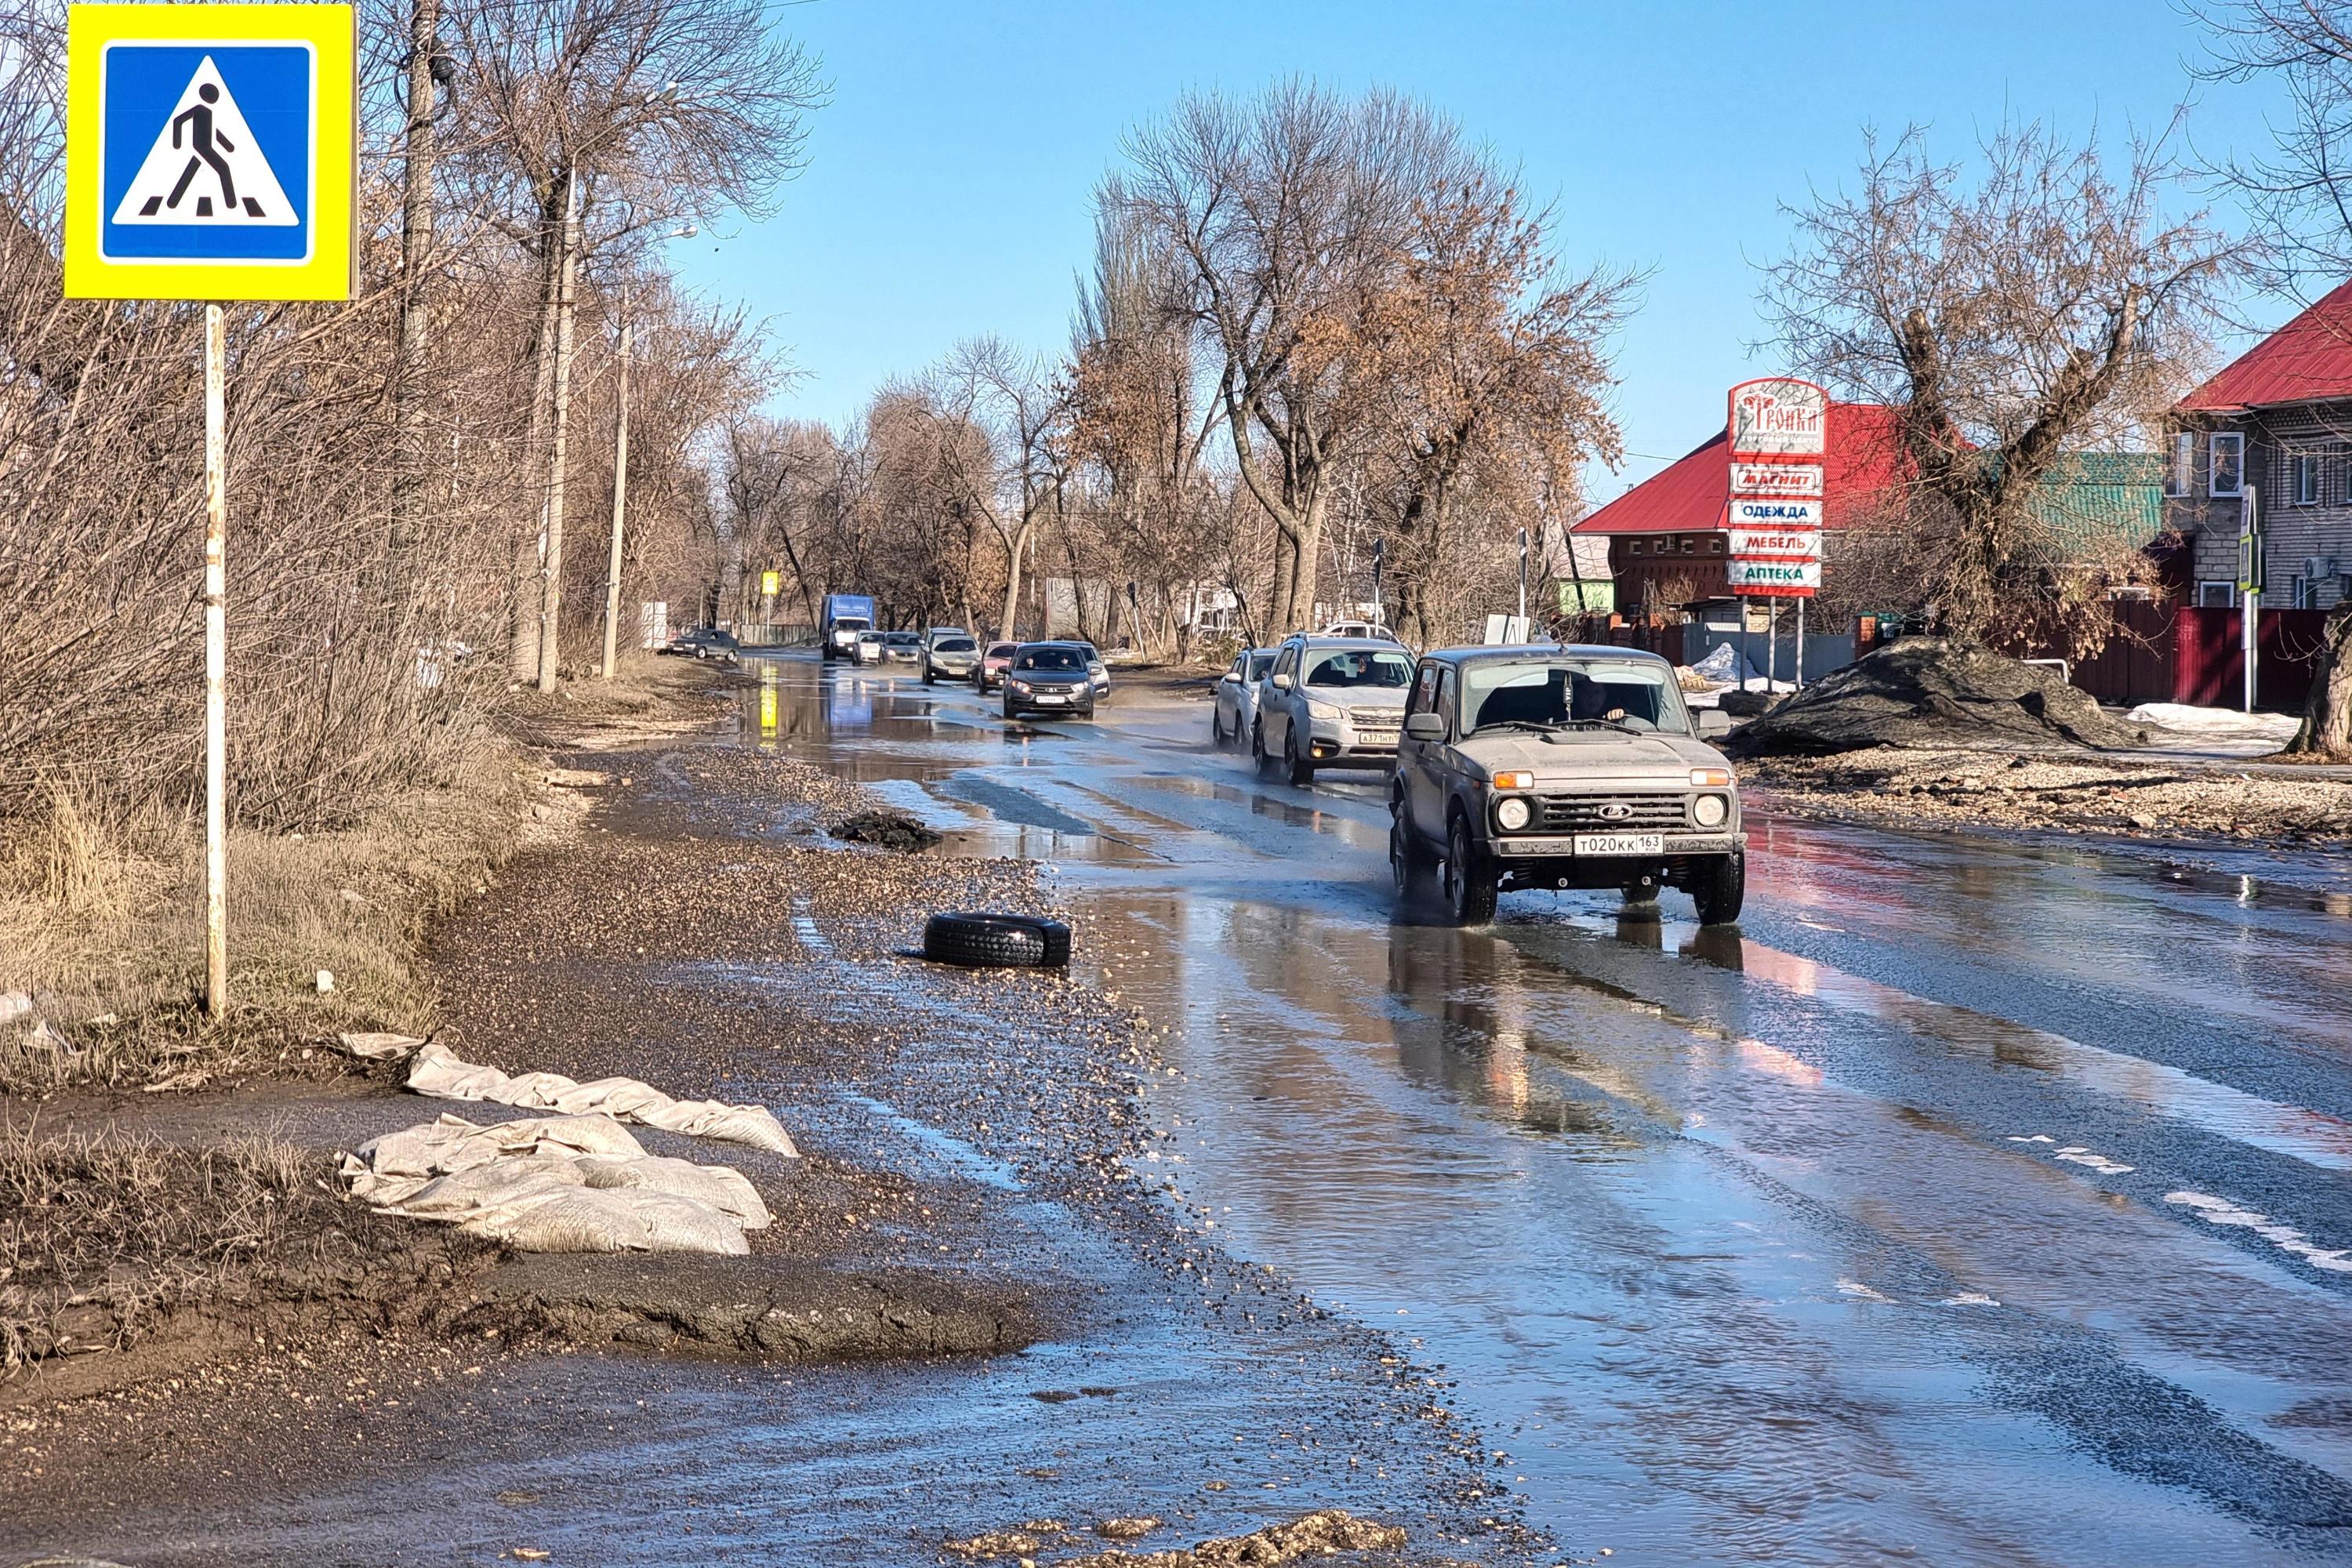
x,y
1718,945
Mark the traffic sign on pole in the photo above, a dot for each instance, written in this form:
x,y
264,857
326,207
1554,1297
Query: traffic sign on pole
x,y
210,152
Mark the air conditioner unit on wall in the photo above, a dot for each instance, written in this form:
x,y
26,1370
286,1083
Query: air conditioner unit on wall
x,y
2318,568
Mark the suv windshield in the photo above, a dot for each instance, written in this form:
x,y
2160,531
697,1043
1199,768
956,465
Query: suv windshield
x,y
1549,692
1062,659
1361,666
954,645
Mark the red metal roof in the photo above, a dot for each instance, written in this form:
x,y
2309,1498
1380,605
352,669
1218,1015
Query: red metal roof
x,y
1690,494
2309,359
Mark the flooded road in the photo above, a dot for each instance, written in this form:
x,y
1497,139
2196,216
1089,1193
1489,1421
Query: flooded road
x,y
1974,1202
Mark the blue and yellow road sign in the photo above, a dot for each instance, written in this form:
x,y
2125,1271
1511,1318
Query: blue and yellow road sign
x,y
209,153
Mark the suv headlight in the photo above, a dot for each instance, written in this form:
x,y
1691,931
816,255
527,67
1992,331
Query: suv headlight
x,y
1709,810
1321,709
1512,814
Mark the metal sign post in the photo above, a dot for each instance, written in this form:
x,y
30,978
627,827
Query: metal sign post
x,y
2249,593
216,661
210,154
1777,434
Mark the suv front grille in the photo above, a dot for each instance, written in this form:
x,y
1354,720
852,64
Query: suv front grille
x,y
1568,812
1376,718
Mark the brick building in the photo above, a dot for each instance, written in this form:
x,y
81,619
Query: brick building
x,y
2277,422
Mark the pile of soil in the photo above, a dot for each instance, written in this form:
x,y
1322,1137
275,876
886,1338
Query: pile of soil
x,y
1928,692
890,829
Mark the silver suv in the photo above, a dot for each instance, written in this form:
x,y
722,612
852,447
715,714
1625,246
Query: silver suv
x,y
1562,767
1330,702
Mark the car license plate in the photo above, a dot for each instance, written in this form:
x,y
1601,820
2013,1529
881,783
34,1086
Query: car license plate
x,y
1050,697
1621,843
1376,737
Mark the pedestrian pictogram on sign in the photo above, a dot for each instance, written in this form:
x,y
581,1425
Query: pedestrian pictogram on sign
x,y
209,151
205,167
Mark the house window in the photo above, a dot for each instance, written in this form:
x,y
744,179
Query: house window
x,y
1690,545
2216,595
2229,464
2303,475
1714,544
2180,473
1632,547
2299,592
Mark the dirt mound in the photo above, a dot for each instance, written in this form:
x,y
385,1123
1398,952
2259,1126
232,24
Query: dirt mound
x,y
890,829
1926,692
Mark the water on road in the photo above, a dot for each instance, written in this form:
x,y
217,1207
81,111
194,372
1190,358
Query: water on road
x,y
1973,1203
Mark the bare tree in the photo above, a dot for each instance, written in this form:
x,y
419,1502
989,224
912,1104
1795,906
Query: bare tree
x,y
1283,212
648,110
2017,313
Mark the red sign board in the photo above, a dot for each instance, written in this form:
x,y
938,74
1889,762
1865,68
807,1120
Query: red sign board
x,y
1776,481
1778,435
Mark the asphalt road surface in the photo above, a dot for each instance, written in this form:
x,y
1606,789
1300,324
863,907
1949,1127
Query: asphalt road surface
x,y
1973,1203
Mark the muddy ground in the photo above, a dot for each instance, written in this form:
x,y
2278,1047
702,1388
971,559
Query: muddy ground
x,y
2155,799
976,1212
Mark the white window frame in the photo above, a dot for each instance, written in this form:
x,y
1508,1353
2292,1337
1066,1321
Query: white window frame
x,y
2180,474
2299,591
2303,478
2206,595
2234,443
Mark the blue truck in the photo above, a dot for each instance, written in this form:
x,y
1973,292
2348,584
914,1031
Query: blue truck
x,y
846,616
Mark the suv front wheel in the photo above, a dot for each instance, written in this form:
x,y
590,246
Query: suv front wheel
x,y
1469,880
1719,887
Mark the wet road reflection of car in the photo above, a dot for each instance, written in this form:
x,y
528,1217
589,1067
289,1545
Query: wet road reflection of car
x,y
1970,1203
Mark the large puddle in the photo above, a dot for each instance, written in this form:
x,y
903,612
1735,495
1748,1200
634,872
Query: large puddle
x,y
1858,1235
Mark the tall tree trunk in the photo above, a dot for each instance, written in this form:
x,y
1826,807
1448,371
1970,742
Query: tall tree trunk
x,y
2327,712
1013,580
416,213
531,541
550,603
620,499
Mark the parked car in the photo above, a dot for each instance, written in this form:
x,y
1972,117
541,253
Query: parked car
x,y
1097,672
902,647
1372,630
703,642
1562,767
1329,702
1048,677
1235,716
992,665
950,655
868,648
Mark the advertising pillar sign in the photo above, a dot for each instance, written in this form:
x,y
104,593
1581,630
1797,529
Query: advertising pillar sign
x,y
1778,432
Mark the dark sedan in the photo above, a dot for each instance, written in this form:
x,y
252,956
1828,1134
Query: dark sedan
x,y
1048,677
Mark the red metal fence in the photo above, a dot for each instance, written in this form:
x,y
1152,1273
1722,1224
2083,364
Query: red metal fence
x,y
2177,653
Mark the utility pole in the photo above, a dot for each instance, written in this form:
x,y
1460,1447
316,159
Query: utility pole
x,y
620,490
1523,585
551,603
417,212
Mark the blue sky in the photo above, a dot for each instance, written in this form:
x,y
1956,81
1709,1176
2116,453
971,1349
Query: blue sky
x,y
946,193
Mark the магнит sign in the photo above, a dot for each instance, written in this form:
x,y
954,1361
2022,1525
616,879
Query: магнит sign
x,y
1777,481
1778,416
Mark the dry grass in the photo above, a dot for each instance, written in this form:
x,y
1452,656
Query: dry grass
x,y
99,1235
101,920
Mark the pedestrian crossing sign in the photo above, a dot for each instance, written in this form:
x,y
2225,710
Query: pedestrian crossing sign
x,y
209,151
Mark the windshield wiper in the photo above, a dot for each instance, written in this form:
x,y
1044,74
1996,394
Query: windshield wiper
x,y
1540,726
1617,724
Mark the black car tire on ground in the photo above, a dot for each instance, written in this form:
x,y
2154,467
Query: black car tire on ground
x,y
1409,859
1217,729
927,675
996,941
1469,882
1719,887
1258,751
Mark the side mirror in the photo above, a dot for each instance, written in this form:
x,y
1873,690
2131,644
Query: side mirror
x,y
1424,727
1281,682
1230,678
1714,722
